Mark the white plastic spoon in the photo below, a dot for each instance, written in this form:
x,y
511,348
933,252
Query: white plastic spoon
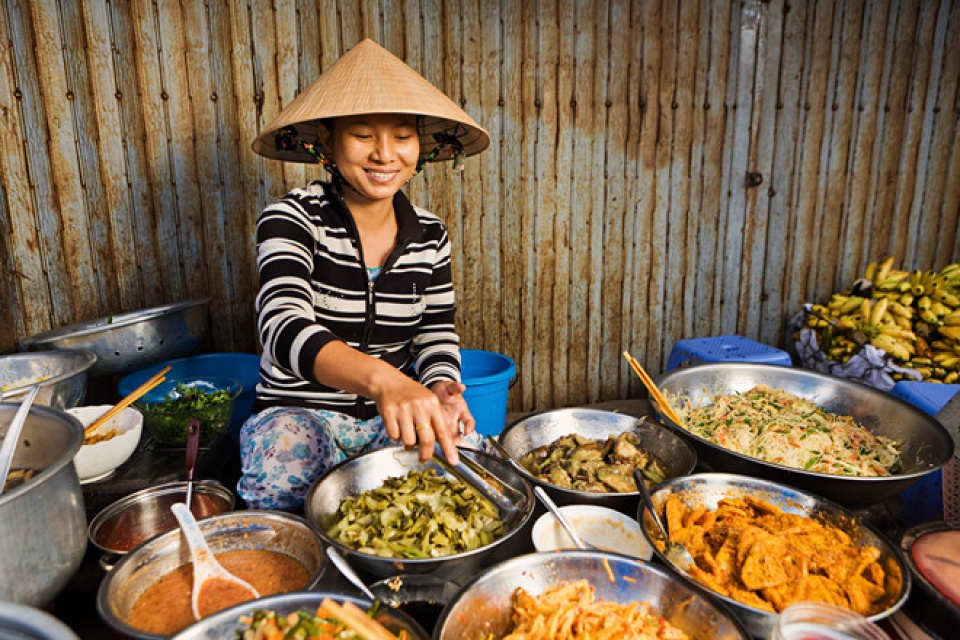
x,y
206,569
12,436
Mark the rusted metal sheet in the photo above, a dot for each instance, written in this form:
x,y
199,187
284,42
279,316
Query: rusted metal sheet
x,y
613,211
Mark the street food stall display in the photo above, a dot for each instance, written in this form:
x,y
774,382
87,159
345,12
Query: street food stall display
x,y
745,462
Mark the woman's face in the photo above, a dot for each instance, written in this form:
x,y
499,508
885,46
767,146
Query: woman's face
x,y
376,154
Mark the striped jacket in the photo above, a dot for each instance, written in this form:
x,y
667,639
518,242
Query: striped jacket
x,y
314,288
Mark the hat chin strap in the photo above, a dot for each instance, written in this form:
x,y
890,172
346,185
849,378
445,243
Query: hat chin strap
x,y
288,139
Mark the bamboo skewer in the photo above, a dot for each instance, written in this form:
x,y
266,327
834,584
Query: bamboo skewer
x,y
655,393
131,397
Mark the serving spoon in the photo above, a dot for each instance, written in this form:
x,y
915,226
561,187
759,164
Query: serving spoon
x,y
348,572
552,507
206,569
675,552
12,436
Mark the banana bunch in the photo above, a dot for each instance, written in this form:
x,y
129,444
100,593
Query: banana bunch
x,y
913,316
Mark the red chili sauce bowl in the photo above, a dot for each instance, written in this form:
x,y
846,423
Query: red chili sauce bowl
x,y
932,552
145,514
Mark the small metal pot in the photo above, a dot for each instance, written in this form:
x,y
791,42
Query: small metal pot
x,y
142,515
234,531
43,522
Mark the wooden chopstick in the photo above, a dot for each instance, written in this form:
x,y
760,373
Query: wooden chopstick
x,y
652,389
132,397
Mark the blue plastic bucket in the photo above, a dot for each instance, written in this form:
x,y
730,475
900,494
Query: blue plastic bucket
x,y
242,367
488,377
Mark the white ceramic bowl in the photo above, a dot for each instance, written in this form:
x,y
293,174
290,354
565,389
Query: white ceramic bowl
x,y
602,527
97,461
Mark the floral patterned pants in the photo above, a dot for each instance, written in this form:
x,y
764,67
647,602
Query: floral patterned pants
x,y
284,450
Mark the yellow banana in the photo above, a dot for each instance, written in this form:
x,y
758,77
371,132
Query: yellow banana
x,y
928,316
852,303
940,309
907,299
947,298
865,309
894,347
898,332
952,319
884,269
950,270
950,332
905,323
924,302
845,323
950,363
878,311
899,309
952,377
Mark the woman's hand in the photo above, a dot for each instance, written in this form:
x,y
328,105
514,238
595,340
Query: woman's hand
x,y
455,405
417,416
410,412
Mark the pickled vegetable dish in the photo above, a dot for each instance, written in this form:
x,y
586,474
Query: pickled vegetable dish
x,y
420,515
600,466
776,426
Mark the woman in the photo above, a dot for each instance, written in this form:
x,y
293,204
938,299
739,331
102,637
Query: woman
x,y
355,308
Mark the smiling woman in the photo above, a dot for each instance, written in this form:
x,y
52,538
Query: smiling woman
x,y
356,305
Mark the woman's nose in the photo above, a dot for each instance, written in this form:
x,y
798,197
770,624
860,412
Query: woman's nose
x,y
385,148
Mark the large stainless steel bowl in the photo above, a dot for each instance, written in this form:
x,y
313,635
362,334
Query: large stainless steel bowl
x,y
129,341
370,470
223,625
237,530
21,622
528,433
42,522
708,489
61,375
926,445
484,605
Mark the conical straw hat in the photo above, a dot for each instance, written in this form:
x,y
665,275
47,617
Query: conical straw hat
x,y
370,79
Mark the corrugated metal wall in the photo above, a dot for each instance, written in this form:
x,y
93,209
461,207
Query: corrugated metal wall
x,y
612,211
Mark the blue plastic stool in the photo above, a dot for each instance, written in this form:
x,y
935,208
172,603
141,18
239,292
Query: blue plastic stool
x,y
725,349
923,500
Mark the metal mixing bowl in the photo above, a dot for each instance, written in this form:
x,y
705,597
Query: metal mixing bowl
x,y
132,340
926,445
61,375
708,489
539,429
43,521
370,470
223,625
484,605
234,531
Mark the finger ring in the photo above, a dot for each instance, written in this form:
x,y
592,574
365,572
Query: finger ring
x,y
421,427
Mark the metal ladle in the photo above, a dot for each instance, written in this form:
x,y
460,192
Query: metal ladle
x,y
12,437
675,552
205,566
349,573
555,510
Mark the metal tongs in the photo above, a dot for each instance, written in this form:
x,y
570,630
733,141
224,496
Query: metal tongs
x,y
508,501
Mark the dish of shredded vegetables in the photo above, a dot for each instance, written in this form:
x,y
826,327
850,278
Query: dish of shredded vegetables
x,y
776,426
420,515
330,622
571,610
